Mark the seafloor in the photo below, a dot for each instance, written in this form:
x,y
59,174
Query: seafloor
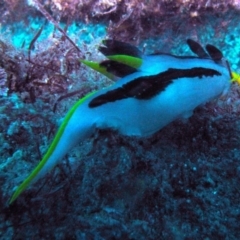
x,y
182,183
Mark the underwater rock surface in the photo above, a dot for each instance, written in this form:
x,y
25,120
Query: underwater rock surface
x,y
181,183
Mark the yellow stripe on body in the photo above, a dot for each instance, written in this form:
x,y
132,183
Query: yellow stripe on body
x,y
52,147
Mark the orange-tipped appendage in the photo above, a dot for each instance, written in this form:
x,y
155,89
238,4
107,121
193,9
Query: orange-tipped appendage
x,y
235,78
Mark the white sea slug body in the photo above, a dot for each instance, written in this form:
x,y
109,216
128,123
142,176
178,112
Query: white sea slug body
x,y
152,91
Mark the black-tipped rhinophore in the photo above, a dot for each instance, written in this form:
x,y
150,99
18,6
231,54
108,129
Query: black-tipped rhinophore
x,y
197,48
214,52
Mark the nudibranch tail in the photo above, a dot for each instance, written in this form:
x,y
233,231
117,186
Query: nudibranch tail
x,y
38,170
130,61
97,67
113,47
124,59
117,65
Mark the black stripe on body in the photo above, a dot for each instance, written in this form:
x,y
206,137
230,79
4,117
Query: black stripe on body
x,y
149,86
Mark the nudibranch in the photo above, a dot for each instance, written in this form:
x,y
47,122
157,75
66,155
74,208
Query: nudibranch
x,y
152,91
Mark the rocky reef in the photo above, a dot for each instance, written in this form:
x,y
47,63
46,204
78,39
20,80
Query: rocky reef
x,y
181,183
